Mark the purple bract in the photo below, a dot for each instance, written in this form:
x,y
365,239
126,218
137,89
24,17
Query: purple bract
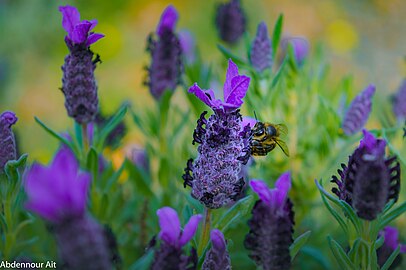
x,y
7,140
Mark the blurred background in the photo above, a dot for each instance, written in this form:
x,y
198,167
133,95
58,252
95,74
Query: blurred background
x,y
365,38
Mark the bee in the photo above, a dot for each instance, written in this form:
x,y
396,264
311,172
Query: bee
x,y
265,137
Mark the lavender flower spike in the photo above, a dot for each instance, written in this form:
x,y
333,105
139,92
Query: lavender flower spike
x,y
358,112
399,102
271,225
261,51
230,21
300,47
170,254
7,140
58,193
370,179
224,144
217,257
78,81
166,66
391,243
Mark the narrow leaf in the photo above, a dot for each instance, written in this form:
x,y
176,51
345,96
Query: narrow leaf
x,y
276,36
299,242
340,255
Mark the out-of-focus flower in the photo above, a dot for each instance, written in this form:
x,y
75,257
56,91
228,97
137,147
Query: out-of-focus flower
x,y
300,47
78,82
170,254
7,141
370,179
391,243
217,257
261,49
358,112
140,158
224,144
166,55
230,21
113,140
58,193
271,225
399,102
188,44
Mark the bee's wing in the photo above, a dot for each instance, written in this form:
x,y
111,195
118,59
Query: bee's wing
x,y
283,129
283,146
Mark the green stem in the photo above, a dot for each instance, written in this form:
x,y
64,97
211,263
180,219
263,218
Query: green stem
x,y
204,238
85,139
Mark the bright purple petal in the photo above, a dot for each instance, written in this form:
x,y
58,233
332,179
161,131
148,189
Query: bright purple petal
x,y
372,145
168,20
170,225
190,230
282,187
207,96
232,71
80,32
262,189
93,23
92,38
217,239
248,121
239,87
70,18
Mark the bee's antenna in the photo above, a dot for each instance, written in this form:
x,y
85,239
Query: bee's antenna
x,y
255,116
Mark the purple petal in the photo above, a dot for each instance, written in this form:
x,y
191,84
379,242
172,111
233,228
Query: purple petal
x,y
170,225
300,48
217,239
391,237
168,20
70,18
93,23
190,230
239,87
248,121
232,71
80,32
282,187
92,38
207,96
372,145
262,189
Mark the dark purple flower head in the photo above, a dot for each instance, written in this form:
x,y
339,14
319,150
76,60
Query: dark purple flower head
x,y
230,21
358,112
217,257
369,180
300,47
170,254
271,225
7,140
261,49
235,88
166,67
399,102
391,243
57,192
78,31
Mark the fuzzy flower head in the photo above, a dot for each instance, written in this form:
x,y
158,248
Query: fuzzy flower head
x,y
78,31
261,49
271,225
370,179
358,112
230,21
171,232
7,140
399,102
165,70
217,257
235,88
59,191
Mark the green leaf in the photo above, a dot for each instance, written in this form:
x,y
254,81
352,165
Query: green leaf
x,y
238,210
335,214
279,73
92,163
58,137
108,128
391,258
78,134
349,211
317,255
143,263
140,178
340,255
237,60
276,36
390,216
354,252
299,242
12,166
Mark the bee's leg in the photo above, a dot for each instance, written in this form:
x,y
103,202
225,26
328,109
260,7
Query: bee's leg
x,y
247,154
188,174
